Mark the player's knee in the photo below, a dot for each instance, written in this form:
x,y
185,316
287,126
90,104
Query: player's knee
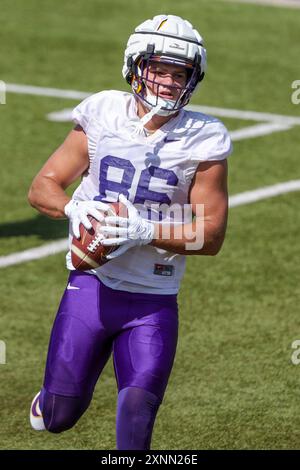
x,y
61,422
61,413
60,425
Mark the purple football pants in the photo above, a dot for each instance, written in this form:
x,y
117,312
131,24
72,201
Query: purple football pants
x,y
92,322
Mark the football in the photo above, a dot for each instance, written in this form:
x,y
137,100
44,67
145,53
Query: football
x,y
87,251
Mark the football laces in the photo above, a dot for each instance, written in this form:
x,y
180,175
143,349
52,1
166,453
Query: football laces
x,y
92,247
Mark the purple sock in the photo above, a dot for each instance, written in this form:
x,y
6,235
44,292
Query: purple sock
x,y
136,413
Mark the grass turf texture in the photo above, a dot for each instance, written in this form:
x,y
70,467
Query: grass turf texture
x,y
233,384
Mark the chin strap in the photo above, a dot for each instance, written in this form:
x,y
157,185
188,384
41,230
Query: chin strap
x,y
139,126
155,104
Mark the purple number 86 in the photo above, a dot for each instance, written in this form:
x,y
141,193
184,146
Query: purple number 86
x,y
143,192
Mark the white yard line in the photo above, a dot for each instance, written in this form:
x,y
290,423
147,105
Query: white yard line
x,y
64,115
240,199
220,112
265,192
247,115
259,130
41,91
34,253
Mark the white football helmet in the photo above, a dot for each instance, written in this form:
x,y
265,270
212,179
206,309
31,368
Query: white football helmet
x,y
171,40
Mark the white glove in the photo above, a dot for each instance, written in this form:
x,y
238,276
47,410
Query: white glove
x,y
77,212
131,231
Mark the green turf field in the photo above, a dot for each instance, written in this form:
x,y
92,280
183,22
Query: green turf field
x,y
233,385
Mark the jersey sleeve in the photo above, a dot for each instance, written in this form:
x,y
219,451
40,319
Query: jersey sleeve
x,y
217,144
85,114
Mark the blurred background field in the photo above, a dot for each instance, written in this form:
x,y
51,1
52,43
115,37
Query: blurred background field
x,y
233,385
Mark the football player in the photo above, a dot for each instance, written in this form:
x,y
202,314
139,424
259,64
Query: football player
x,y
143,149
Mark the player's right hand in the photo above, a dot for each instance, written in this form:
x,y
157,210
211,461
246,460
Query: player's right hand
x,y
78,211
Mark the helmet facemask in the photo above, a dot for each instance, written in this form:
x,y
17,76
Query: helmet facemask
x,y
148,90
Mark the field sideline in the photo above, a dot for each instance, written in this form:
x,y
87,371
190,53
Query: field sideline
x,y
233,385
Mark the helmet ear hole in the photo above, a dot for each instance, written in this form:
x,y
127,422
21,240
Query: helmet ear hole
x,y
201,77
130,67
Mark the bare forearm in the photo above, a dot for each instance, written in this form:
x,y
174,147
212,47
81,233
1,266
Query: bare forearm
x,y
195,238
48,197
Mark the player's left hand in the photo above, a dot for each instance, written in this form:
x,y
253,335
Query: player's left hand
x,y
128,231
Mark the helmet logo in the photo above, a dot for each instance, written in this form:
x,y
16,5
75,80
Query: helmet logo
x,y
176,46
162,23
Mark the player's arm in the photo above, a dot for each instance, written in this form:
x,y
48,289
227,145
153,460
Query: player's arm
x,y
63,167
209,187
203,236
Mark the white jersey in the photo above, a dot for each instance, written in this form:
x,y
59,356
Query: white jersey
x,y
158,168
